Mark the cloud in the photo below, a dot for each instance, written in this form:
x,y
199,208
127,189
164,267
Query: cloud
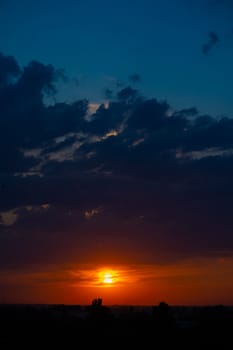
x,y
9,69
108,93
213,40
8,218
163,177
90,213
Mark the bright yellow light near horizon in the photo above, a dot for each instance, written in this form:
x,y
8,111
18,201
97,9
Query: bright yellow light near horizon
x,y
108,277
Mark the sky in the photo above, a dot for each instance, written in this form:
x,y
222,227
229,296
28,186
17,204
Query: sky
x,y
116,147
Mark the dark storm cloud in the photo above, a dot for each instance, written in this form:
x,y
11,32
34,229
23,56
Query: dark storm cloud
x,y
152,176
25,121
9,69
213,39
127,94
149,115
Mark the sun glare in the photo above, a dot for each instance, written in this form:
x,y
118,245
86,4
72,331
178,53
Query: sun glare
x,y
108,277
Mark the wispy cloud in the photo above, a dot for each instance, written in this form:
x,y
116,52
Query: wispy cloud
x,y
212,41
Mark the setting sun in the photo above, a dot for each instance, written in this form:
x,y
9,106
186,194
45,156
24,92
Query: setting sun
x,y
107,278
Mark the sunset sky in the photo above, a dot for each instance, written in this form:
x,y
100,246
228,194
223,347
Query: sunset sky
x,y
116,148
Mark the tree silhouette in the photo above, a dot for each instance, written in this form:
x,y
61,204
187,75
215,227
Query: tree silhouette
x,y
97,302
97,311
163,317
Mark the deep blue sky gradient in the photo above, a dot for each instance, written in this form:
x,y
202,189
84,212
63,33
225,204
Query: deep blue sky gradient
x,y
96,42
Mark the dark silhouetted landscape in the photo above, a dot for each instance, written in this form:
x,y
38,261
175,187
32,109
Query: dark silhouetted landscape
x,y
188,327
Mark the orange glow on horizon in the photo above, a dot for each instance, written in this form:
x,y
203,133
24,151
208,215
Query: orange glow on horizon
x,y
202,281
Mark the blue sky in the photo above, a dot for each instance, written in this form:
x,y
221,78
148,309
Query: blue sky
x,y
98,42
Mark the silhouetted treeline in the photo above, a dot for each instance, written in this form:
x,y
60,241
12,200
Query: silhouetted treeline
x,y
189,328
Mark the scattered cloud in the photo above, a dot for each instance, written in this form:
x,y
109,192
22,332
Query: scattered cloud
x,y
8,218
213,40
90,213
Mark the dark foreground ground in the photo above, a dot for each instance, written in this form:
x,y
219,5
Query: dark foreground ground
x,y
97,326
